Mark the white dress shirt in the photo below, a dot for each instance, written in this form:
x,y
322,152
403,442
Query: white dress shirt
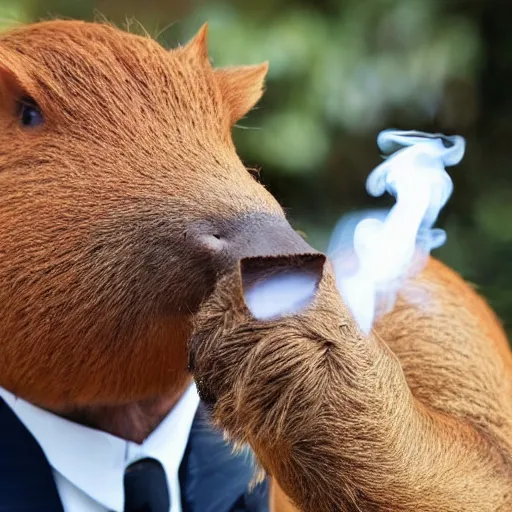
x,y
88,465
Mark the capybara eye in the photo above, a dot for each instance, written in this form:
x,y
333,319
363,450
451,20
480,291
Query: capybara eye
x,y
29,113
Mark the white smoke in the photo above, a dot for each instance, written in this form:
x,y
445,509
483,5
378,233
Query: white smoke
x,y
280,295
390,246
374,251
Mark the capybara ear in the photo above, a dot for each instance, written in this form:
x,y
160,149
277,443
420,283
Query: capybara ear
x,y
279,285
241,87
197,48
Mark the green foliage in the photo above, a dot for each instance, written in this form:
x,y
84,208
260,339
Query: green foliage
x,y
12,12
494,214
340,71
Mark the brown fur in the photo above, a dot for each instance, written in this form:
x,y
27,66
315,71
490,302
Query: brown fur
x,y
415,417
99,280
98,205
278,500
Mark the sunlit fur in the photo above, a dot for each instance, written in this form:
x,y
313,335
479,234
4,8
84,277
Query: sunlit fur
x,y
96,283
415,417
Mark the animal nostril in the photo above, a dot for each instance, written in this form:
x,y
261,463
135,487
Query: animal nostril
x,y
211,242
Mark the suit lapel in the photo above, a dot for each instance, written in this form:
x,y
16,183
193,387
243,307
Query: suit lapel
x,y
26,479
212,478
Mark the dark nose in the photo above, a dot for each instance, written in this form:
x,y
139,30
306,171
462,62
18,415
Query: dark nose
x,y
227,241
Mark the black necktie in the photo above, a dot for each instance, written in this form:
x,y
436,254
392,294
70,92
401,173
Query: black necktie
x,y
145,487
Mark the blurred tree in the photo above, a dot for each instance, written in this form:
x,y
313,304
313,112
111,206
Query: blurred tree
x,y
340,72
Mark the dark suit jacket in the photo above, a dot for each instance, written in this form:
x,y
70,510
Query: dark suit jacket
x,y
211,478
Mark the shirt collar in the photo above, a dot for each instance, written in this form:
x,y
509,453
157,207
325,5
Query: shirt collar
x,y
95,461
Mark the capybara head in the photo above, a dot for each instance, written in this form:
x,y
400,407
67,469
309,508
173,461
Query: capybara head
x,y
122,200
